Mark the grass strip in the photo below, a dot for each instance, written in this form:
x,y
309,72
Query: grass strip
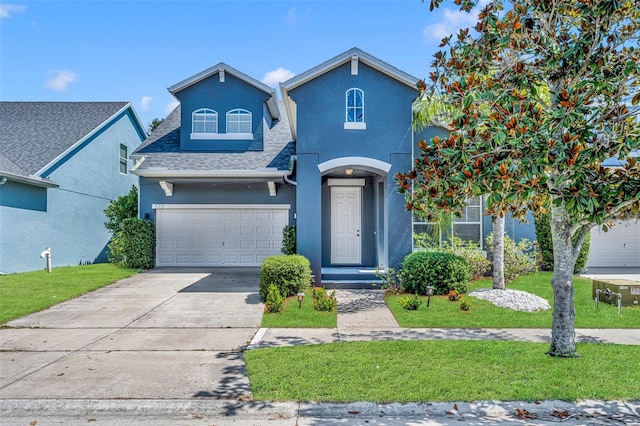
x,y
414,371
443,313
305,317
29,292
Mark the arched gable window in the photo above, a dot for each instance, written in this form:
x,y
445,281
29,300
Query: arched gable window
x,y
354,110
239,121
204,120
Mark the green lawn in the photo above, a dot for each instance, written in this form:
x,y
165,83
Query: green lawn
x,y
404,371
28,292
306,317
446,314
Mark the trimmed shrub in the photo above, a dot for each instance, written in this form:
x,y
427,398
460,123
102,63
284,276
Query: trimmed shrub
x,y
289,239
410,303
545,244
134,245
444,271
322,301
124,207
290,273
519,259
275,301
476,258
465,304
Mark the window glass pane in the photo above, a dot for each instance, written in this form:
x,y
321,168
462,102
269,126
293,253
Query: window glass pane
x,y
467,231
358,97
123,151
123,167
359,112
351,114
350,98
198,127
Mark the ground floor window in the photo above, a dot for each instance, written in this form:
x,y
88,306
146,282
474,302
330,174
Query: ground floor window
x,y
468,227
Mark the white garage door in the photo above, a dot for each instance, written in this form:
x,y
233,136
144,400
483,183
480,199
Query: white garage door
x,y
618,247
218,235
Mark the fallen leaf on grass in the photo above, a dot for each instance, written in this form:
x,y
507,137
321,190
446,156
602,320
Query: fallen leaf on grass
x,y
33,423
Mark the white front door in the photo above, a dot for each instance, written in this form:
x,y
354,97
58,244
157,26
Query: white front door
x,y
346,221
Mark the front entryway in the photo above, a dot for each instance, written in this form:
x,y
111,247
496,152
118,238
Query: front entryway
x,y
346,225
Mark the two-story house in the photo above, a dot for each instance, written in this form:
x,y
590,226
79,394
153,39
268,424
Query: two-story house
x,y
61,163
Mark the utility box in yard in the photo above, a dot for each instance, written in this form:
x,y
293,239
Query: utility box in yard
x,y
629,290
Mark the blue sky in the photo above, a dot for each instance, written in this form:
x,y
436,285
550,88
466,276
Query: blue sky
x,y
133,50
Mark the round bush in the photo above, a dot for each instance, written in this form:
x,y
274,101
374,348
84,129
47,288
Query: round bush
x,y
444,271
291,273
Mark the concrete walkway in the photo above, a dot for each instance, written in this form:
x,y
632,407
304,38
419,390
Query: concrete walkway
x,y
163,347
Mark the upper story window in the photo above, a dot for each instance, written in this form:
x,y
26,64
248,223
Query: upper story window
x,y
204,122
239,121
354,110
123,159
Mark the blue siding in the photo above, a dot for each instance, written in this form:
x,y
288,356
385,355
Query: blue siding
x,y
321,137
73,225
207,193
222,97
23,196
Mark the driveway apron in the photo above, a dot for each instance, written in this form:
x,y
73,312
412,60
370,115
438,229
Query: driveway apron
x,y
171,333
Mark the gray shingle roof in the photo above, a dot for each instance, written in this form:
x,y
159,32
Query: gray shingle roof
x,y
32,134
162,150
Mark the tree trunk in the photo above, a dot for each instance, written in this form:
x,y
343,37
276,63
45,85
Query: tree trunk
x,y
564,257
498,252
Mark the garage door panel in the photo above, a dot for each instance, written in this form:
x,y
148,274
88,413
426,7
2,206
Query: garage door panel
x,y
618,247
214,237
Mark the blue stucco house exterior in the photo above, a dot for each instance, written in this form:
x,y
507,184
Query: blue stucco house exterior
x,y
232,165
61,163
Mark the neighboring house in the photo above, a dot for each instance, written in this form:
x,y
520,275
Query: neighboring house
x,y
61,163
232,165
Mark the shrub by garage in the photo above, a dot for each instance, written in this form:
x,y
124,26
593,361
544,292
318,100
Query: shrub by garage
x,y
290,273
444,271
133,246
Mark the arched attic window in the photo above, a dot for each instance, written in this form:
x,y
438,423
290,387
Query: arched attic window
x,y
354,109
204,122
239,121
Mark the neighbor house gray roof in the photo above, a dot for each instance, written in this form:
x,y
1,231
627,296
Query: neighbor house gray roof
x,y
160,154
33,134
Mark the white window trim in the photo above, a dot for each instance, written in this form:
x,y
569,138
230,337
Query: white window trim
x,y
244,112
221,136
353,125
206,111
457,221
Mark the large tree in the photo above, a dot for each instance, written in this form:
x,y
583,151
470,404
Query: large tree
x,y
519,146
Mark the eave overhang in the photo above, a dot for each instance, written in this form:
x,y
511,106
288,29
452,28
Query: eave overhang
x,y
29,180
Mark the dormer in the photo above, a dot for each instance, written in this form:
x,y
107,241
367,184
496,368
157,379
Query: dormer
x,y
223,109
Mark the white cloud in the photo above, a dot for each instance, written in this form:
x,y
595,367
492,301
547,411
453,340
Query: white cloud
x,y
60,80
294,18
452,21
6,10
145,103
170,107
272,78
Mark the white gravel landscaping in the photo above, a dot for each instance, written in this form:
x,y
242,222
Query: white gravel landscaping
x,y
516,300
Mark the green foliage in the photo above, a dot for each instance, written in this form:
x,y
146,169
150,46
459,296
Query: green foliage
x,y
289,239
444,271
290,273
323,301
545,244
465,304
392,281
124,207
154,124
410,303
275,301
134,245
519,259
476,258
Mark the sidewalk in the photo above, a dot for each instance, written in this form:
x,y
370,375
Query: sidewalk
x,y
363,315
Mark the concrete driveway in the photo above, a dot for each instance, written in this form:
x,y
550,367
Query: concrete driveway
x,y
159,334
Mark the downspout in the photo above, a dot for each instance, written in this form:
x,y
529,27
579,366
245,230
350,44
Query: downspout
x,y
292,162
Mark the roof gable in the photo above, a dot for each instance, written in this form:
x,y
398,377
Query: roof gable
x,y
33,135
222,68
353,55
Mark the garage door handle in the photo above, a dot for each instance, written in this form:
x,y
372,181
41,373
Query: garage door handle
x,y
223,244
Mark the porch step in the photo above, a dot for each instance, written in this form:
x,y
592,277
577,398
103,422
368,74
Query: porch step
x,y
352,284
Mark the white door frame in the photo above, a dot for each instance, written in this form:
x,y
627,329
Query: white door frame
x,y
346,225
